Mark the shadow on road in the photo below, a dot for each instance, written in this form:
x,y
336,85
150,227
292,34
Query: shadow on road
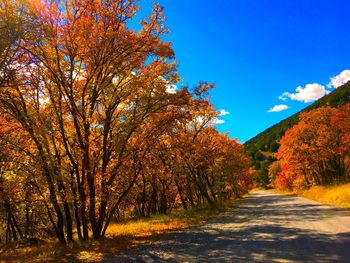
x,y
260,230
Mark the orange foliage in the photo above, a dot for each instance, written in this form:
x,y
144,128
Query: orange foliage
x,y
316,149
89,110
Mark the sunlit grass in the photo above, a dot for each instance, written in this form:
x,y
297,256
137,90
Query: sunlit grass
x,y
119,236
145,227
158,224
338,195
90,256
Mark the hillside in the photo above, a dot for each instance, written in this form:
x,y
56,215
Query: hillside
x,y
264,144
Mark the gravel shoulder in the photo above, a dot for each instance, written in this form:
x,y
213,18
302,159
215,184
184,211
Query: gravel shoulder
x,y
266,227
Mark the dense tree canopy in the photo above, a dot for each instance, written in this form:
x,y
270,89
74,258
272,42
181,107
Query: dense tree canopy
x,y
316,150
92,126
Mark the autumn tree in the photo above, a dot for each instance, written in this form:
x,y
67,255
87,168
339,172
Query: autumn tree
x,y
274,170
211,165
89,107
315,149
87,84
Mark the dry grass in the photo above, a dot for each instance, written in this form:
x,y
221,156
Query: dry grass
x,y
337,195
145,227
118,237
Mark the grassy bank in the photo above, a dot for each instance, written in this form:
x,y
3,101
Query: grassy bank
x,y
337,195
119,236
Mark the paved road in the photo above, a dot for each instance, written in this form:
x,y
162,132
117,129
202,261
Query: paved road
x,y
266,227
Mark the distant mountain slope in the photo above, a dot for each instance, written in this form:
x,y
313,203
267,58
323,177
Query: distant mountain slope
x,y
261,146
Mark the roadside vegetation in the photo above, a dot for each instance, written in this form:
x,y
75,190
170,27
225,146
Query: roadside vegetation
x,y
316,151
313,159
120,235
95,128
336,195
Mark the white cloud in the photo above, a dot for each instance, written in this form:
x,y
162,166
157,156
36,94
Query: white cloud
x,y
200,120
339,80
223,112
171,88
310,93
216,121
282,97
278,108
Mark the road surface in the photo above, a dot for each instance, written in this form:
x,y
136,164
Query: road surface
x,y
266,227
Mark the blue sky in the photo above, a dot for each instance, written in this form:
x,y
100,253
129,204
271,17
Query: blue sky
x,y
256,50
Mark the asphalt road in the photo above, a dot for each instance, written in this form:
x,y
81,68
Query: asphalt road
x,y
266,227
